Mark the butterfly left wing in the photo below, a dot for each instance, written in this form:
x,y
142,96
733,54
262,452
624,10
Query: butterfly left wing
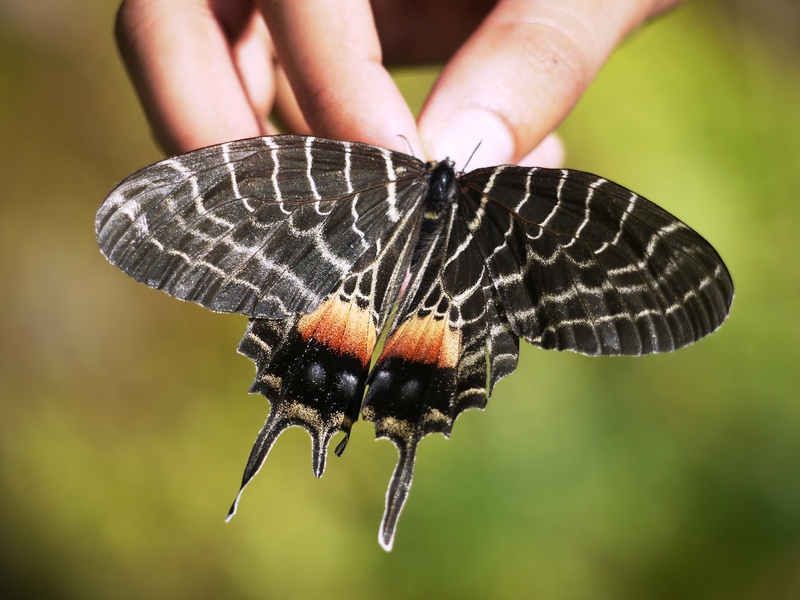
x,y
311,238
313,367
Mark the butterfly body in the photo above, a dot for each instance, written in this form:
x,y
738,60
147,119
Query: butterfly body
x,y
319,241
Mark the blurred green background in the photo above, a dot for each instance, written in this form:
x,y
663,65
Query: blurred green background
x,y
125,420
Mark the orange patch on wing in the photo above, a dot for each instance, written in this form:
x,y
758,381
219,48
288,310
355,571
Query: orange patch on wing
x,y
427,340
341,326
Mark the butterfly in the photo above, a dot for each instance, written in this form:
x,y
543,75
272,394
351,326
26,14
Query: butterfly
x,y
328,245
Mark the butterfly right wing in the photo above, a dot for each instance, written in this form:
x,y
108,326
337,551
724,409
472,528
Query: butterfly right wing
x,y
561,258
580,263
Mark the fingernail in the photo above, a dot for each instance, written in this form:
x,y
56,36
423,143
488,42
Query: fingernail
x,y
472,134
548,154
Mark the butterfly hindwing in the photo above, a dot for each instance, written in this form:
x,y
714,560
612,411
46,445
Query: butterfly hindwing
x,y
313,367
447,347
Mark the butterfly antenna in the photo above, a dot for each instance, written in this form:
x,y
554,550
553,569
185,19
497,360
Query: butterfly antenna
x,y
410,149
464,170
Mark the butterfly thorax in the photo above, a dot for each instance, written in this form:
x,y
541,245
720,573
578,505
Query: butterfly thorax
x,y
442,188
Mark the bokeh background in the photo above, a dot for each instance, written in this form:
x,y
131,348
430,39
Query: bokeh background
x,y
125,420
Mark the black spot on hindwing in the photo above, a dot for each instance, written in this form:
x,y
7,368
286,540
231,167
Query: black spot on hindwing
x,y
319,241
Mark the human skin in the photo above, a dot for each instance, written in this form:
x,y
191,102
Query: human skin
x,y
209,71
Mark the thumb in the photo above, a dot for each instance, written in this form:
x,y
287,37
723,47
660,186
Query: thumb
x,y
518,77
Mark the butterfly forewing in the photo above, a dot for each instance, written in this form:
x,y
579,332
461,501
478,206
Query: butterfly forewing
x,y
586,265
318,241
264,227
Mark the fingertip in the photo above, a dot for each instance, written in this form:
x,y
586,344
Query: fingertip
x,y
471,134
186,73
331,55
514,81
549,154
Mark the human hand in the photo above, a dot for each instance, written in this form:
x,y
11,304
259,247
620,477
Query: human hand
x,y
208,71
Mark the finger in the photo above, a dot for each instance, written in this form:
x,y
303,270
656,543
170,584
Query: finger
x,y
253,59
287,111
548,154
427,32
179,57
520,74
332,58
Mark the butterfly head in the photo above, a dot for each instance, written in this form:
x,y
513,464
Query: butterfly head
x,y
442,188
